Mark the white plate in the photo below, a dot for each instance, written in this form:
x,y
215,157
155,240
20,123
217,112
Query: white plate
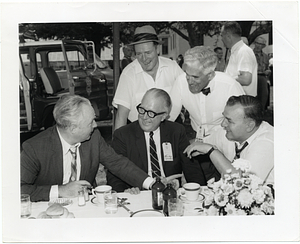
x,y
147,213
199,199
61,201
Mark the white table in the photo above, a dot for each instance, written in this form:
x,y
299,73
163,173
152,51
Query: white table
x,y
90,210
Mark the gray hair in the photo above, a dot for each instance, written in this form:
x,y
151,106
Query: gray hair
x,y
67,110
205,55
159,93
233,28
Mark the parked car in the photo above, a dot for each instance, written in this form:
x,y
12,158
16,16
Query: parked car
x,y
49,69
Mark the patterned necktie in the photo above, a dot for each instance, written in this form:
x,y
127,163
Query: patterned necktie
x,y
73,151
206,91
153,158
238,151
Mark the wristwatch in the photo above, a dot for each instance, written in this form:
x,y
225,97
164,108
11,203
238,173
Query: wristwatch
x,y
210,151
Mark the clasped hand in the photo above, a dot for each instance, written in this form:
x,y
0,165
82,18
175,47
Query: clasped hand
x,y
71,189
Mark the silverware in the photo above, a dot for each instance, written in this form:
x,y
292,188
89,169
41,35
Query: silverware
x,y
121,203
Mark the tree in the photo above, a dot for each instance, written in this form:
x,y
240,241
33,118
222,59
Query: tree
x,y
99,33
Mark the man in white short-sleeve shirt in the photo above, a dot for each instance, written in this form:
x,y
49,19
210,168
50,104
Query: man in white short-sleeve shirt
x,y
147,71
204,93
244,128
242,65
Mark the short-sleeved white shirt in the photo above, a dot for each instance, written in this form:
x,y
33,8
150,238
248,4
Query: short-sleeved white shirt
x,y
205,111
242,58
259,152
134,82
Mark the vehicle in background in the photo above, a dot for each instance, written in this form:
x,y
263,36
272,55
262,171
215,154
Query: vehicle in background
x,y
49,69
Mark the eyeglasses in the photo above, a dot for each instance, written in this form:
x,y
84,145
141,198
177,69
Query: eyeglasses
x,y
150,113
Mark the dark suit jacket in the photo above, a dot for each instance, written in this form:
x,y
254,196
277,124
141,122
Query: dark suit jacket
x,y
42,163
129,141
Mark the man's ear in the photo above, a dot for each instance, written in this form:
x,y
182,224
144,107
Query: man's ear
x,y
165,117
250,125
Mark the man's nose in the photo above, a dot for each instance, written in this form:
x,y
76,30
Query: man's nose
x,y
224,124
94,124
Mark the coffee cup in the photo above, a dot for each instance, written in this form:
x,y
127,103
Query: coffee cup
x,y
192,191
99,191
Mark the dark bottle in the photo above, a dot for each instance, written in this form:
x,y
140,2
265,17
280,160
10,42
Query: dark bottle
x,y
168,193
157,196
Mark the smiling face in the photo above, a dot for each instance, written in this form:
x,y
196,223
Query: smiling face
x,y
235,123
157,105
196,79
86,124
147,56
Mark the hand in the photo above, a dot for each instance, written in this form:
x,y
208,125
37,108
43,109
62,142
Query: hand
x,y
197,148
171,179
71,189
133,190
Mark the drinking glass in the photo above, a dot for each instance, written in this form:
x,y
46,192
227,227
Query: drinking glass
x,y
110,202
175,207
25,206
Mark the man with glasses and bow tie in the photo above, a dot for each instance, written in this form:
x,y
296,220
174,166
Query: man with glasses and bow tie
x,y
154,144
203,92
245,135
59,161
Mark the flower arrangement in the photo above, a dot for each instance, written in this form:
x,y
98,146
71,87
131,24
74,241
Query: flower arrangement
x,y
239,193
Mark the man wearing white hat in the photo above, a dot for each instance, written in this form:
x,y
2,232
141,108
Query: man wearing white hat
x,y
147,71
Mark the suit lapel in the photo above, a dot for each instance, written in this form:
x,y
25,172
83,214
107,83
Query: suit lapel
x,y
164,137
140,145
57,155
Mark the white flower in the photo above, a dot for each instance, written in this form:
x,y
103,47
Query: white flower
x,y
241,212
256,211
259,195
221,199
242,164
227,189
255,181
212,211
268,207
245,198
231,209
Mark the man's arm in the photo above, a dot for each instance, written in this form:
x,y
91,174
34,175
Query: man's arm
x,y
30,168
120,148
244,78
121,116
221,163
122,166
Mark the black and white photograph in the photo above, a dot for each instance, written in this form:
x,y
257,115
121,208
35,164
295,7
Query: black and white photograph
x,y
183,114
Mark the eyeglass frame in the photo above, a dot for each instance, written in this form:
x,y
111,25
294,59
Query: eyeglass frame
x,y
147,111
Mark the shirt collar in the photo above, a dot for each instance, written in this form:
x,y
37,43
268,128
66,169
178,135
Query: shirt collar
x,y
237,46
66,146
253,136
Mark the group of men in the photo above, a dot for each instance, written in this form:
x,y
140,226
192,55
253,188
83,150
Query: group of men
x,y
147,143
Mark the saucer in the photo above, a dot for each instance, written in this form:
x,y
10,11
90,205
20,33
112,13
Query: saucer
x,y
199,199
95,201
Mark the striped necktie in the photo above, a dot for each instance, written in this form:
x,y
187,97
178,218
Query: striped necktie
x,y
73,151
153,158
238,151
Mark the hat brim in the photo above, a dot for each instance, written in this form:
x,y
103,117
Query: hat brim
x,y
144,41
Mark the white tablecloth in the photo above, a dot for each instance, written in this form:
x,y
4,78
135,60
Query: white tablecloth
x,y
90,210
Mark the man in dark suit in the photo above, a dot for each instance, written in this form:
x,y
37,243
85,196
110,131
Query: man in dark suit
x,y
133,141
50,168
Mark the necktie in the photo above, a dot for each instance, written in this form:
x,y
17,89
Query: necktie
x,y
238,151
206,91
73,151
153,158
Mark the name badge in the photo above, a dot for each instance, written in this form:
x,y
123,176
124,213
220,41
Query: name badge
x,y
200,134
167,150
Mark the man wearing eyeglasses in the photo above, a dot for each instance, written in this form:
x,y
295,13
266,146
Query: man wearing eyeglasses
x,y
134,141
